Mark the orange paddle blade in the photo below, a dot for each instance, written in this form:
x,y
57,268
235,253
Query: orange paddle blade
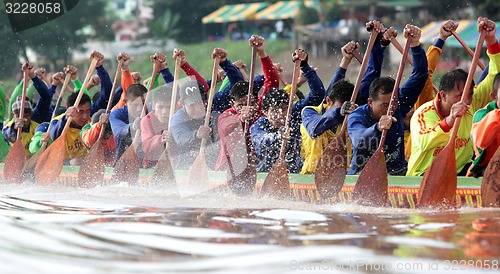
x,y
28,173
91,171
331,168
163,173
372,184
277,183
14,163
490,187
127,168
433,192
50,163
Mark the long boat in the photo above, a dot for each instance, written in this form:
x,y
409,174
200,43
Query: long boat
x,y
402,192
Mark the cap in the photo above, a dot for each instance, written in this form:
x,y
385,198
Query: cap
x,y
97,115
191,92
16,106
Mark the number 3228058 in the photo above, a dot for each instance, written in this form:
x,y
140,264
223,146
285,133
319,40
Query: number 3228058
x,y
33,8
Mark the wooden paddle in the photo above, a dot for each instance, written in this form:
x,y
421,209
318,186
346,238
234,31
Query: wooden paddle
x,y
467,48
198,172
277,183
242,170
490,186
163,172
91,171
398,46
29,168
50,163
439,185
14,162
372,184
357,56
127,167
332,165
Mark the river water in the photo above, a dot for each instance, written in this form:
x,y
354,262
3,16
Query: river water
x,y
121,229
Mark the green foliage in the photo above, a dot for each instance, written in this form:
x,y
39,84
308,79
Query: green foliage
x,y
54,41
441,10
488,8
10,44
191,13
334,13
307,15
199,55
166,26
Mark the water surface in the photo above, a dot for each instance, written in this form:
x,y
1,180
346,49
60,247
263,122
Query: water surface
x,y
120,229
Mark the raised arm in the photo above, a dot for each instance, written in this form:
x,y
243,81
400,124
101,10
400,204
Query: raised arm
x,y
411,89
347,56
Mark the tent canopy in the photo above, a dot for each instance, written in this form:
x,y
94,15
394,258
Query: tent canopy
x,y
467,30
288,9
233,13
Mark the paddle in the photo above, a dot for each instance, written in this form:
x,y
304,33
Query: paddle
x,y
490,186
198,172
243,180
467,48
91,171
331,167
28,172
357,56
439,185
398,46
163,171
277,183
14,162
372,184
127,167
50,163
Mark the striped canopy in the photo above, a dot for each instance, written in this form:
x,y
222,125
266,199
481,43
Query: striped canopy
x,y
233,13
467,30
288,9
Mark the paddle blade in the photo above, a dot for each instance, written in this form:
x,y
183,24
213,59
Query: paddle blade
x,y
277,183
372,184
163,173
14,163
490,187
197,179
243,177
28,173
91,172
127,168
50,163
198,172
439,185
330,171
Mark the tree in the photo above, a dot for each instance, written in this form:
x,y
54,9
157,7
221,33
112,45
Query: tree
x,y
10,45
334,13
442,10
488,8
190,15
307,15
166,26
55,41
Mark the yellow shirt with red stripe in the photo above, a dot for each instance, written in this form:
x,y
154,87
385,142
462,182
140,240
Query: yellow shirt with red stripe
x,y
25,136
430,132
427,94
75,147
